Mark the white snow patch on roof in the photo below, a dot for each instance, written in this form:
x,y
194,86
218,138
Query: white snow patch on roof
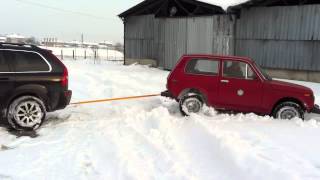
x,y
224,4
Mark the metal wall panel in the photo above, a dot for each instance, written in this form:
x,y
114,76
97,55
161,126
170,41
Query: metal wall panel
x,y
285,37
316,56
139,37
200,35
175,41
140,27
296,55
280,23
208,35
159,41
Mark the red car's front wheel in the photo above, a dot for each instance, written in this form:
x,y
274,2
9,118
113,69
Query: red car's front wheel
x,y
288,110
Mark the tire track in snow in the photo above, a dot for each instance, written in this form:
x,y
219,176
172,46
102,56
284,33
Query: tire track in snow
x,y
66,146
145,158
171,136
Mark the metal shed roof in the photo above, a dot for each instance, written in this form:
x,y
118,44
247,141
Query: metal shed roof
x,y
173,8
268,3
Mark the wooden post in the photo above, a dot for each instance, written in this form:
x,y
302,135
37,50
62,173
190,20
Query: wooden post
x,y
107,53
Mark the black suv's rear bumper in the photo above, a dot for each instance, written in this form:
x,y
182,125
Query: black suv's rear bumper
x,y
64,100
316,109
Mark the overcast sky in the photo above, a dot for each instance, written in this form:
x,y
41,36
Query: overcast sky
x,y
23,17
39,18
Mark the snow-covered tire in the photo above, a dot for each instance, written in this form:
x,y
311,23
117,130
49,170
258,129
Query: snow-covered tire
x,y
26,113
288,110
190,104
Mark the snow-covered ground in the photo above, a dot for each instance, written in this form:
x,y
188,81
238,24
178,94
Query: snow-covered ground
x,y
149,139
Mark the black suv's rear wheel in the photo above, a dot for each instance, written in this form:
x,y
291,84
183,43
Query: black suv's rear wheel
x,y
26,113
288,110
190,104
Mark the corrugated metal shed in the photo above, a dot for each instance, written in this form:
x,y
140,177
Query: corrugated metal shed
x,y
274,34
167,39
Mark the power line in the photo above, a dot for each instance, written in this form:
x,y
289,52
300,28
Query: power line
x,y
62,10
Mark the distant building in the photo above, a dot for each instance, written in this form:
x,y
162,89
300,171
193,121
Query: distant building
x,y
3,39
16,38
105,44
54,42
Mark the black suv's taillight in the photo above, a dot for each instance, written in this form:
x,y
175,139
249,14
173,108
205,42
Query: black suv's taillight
x,y
65,77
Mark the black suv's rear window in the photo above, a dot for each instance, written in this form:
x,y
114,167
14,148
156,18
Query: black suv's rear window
x,y
3,64
23,61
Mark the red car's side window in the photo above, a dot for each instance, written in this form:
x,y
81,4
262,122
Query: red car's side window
x,y
203,67
239,70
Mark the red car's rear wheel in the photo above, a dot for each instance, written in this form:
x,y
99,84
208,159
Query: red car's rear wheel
x,y
190,104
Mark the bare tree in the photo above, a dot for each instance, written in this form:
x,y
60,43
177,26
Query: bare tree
x,y
119,47
32,40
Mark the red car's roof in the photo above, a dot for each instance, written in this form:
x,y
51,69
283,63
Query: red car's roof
x,y
219,56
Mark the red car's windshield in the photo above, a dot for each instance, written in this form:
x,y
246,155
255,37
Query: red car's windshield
x,y
263,72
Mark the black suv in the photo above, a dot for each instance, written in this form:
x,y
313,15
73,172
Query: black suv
x,y
32,82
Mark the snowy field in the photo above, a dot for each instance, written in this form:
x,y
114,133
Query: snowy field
x,y
149,139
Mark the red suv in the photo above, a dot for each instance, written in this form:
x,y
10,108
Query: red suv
x,y
235,84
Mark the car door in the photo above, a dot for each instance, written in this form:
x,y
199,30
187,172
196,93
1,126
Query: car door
x,y
240,87
203,74
6,80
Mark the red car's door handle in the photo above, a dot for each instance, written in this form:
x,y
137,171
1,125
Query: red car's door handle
x,y
174,81
225,81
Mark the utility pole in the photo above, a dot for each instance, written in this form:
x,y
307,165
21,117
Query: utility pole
x,y
82,40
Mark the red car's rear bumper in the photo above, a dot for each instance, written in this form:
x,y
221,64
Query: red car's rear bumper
x,y
167,94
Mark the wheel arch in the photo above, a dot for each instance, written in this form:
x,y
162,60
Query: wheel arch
x,y
287,99
194,91
37,91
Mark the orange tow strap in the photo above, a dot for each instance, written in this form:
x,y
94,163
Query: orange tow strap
x,y
114,99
